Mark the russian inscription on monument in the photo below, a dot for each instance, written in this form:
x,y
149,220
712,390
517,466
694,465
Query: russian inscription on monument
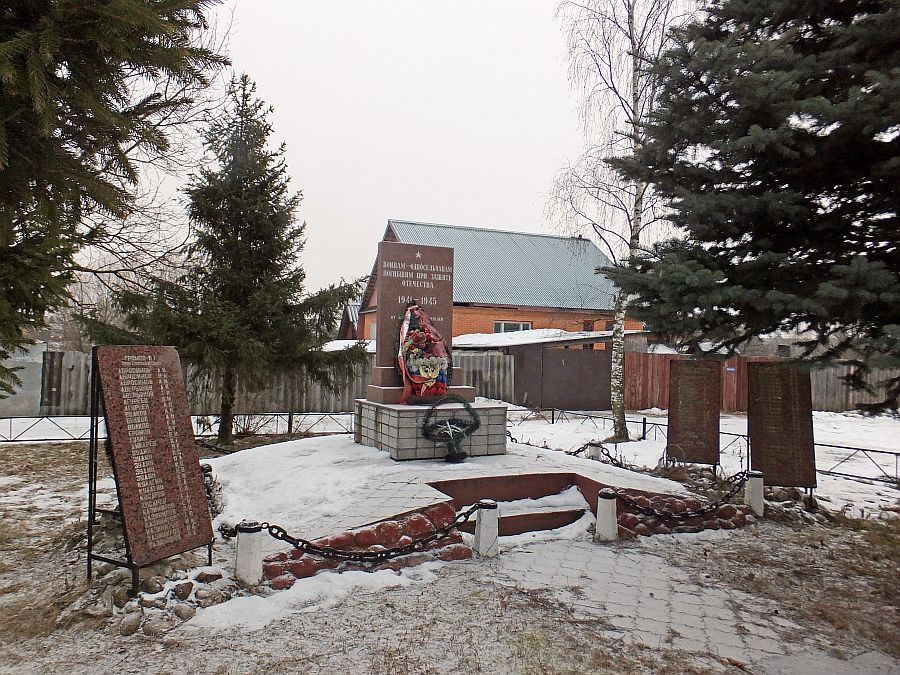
x,y
779,423
695,399
155,461
410,272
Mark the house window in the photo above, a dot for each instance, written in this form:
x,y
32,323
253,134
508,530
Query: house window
x,y
510,326
373,328
784,351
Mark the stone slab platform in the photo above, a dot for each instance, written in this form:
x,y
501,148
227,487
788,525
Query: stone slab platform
x,y
398,429
392,395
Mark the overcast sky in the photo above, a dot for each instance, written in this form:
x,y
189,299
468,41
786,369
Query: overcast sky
x,y
453,112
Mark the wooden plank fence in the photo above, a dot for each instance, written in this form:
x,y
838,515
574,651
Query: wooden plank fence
x,y
647,383
64,388
830,392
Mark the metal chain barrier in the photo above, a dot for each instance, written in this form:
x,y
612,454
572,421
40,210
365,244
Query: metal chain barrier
x,y
416,546
737,482
605,455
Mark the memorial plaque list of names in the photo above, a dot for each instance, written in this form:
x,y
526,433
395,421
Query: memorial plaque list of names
x,y
157,470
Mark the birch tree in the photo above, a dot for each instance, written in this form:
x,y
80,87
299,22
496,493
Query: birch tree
x,y
610,44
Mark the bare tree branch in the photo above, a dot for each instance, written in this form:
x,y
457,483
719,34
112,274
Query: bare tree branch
x,y
610,45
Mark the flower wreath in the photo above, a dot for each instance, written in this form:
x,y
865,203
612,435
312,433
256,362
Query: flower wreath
x,y
423,356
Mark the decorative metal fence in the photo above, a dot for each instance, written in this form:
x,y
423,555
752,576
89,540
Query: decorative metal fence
x,y
869,463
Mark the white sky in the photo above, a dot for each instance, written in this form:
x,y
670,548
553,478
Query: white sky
x,y
454,112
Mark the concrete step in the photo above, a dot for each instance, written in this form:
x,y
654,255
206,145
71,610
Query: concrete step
x,y
534,521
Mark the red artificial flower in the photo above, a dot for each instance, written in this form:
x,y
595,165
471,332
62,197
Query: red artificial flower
x,y
437,389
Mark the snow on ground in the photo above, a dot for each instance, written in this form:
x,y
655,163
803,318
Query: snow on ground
x,y
570,498
309,485
856,497
630,591
254,612
324,485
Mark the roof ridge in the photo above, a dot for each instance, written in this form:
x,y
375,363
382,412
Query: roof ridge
x,y
488,229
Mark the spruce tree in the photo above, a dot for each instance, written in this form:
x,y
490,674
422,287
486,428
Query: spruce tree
x,y
82,91
239,309
775,142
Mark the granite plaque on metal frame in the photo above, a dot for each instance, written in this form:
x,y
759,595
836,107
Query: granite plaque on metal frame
x,y
155,461
695,399
410,272
779,424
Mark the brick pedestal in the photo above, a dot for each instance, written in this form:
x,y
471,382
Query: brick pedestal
x,y
398,429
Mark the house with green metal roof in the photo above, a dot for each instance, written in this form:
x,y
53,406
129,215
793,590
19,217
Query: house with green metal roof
x,y
505,281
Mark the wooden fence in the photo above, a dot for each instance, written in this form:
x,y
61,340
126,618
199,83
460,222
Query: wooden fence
x,y
60,386
647,383
490,374
63,388
829,392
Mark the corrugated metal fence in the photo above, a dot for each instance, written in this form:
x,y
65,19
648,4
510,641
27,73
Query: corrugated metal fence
x,y
65,388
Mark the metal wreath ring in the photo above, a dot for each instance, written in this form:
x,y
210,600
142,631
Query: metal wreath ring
x,y
432,430
453,430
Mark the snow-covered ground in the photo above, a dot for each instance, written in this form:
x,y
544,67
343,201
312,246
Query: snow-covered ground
x,y
857,497
622,595
320,486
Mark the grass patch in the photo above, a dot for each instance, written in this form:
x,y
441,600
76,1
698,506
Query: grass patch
x,y
25,616
47,461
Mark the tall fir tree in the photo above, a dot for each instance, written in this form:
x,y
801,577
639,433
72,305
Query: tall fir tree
x,y
239,311
775,142
82,91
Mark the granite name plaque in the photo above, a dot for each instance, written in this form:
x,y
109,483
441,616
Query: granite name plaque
x,y
409,272
695,399
779,424
155,461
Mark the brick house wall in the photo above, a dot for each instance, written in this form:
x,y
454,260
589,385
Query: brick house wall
x,y
480,319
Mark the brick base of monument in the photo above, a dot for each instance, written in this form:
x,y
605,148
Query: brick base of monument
x,y
398,429
281,570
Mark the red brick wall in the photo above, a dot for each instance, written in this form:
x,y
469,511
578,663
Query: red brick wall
x,y
481,319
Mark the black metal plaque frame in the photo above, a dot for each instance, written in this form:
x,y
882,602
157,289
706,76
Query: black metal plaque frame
x,y
93,467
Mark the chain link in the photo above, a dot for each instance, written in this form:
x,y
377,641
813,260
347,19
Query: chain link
x,y
416,546
737,482
605,455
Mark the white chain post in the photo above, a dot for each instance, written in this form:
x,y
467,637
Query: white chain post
x,y
607,527
487,529
248,556
594,452
753,492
